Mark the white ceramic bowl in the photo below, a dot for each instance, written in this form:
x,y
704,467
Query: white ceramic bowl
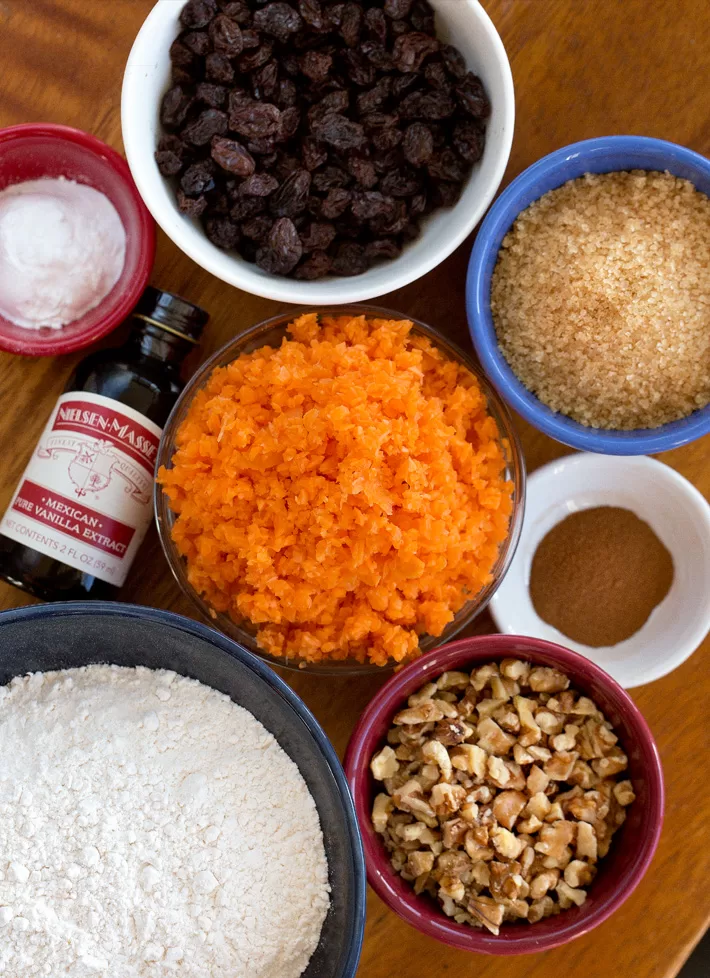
x,y
462,22
679,516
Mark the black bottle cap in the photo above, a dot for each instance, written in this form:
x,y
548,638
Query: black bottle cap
x,y
171,313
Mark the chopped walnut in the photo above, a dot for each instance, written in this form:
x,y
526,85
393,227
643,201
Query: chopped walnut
x,y
501,793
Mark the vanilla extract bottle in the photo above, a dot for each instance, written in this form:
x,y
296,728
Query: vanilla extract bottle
x,y
85,500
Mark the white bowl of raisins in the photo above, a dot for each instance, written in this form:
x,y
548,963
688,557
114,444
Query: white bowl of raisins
x,y
318,151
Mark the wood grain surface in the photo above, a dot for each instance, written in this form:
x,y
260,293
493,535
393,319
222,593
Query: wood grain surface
x,y
581,68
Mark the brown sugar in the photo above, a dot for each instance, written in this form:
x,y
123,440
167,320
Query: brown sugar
x,y
598,575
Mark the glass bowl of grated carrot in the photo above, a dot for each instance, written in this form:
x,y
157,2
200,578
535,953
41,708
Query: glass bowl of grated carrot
x,y
339,490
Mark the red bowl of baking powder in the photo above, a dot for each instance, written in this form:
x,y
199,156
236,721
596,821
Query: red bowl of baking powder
x,y
632,848
36,150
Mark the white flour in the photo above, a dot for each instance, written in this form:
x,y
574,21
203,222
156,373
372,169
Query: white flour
x,y
149,827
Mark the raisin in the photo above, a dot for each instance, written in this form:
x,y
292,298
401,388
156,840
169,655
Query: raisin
x,y
238,10
411,49
381,249
175,106
418,144
257,228
358,70
197,13
191,206
469,141
198,42
337,101
375,97
312,13
422,17
226,36
387,138
351,24
447,165
316,65
259,185
254,120
170,156
198,178
181,56
334,14
218,68
222,232
427,105
398,9
399,27
437,76
287,95
454,61
262,147
403,83
384,162
377,55
314,155
401,183
284,166
338,131
290,199
445,194
209,123
279,20
317,236
363,171
418,205
336,203
232,157
213,95
314,267
393,224
350,260
330,177
371,203
376,25
265,81
246,207
283,249
473,98
250,39
255,58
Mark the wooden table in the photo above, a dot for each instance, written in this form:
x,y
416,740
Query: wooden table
x,y
582,68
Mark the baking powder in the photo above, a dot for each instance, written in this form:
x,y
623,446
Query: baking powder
x,y
62,249
149,826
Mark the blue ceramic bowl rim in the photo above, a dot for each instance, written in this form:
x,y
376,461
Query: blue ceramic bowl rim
x,y
119,609
642,441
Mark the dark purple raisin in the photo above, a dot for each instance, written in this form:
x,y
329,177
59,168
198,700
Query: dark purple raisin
x,y
287,95
198,178
418,144
363,171
317,236
222,232
375,97
401,183
391,225
314,155
454,61
337,101
238,10
371,203
257,228
338,131
376,25
312,13
391,160
245,207
427,105
197,13
250,39
191,206
437,76
330,177
381,249
259,185
181,56
334,14
269,160
336,203
447,165
218,68
288,124
422,17
265,81
284,166
351,24
410,231
350,259
418,205
403,83
254,120
170,155
279,20
262,147
198,42
400,27
411,49
314,267
251,60
290,199
175,106
213,95
226,36
445,194
397,9
283,249
316,65
386,138
232,157
469,141
374,121
473,98
359,71
377,55
209,123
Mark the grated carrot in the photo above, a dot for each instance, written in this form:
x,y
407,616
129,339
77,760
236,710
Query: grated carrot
x,y
344,493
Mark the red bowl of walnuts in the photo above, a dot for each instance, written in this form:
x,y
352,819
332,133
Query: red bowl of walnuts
x,y
509,794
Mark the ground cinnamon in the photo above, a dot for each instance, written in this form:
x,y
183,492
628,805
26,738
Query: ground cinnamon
x,y
599,574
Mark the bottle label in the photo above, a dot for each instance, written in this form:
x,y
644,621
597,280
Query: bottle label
x,y
86,496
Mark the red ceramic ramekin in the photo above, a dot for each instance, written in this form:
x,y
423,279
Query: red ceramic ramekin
x,y
633,845
36,150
